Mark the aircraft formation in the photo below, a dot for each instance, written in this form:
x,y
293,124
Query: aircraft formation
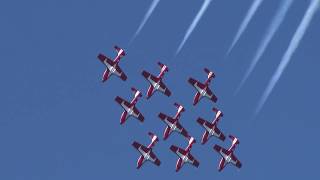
x,y
172,123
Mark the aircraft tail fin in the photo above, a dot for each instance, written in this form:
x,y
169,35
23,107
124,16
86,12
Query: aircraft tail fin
x,y
120,51
235,141
163,66
136,92
206,70
154,138
134,89
210,73
218,112
191,142
180,107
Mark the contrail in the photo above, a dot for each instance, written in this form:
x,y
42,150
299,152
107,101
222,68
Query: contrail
x,y
194,23
145,18
252,10
294,43
273,28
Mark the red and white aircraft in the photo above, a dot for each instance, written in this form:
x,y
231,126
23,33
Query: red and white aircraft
x,y
156,81
173,124
146,152
130,108
185,155
203,90
228,155
211,128
112,66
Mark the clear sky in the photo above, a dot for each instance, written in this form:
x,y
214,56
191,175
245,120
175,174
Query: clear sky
x,y
58,121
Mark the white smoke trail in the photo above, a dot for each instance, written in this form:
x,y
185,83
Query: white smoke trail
x,y
273,28
298,35
252,10
145,18
194,23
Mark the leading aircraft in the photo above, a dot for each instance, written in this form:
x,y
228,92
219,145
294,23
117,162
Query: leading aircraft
x,y
228,155
173,123
211,129
156,81
146,152
130,108
112,66
184,155
203,90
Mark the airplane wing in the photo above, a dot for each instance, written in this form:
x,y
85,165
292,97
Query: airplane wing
x,y
123,103
120,73
196,84
204,123
140,147
182,130
154,159
105,75
105,60
123,117
179,164
150,91
151,78
220,134
164,89
166,133
235,161
193,160
223,152
148,76
137,114
212,96
165,118
177,150
172,121
221,164
143,149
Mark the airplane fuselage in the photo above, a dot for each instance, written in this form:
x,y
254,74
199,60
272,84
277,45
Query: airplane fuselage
x,y
112,68
203,92
129,109
184,158
211,131
226,157
172,126
155,84
146,155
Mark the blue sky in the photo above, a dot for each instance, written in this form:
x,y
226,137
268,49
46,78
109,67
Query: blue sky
x,y
58,121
